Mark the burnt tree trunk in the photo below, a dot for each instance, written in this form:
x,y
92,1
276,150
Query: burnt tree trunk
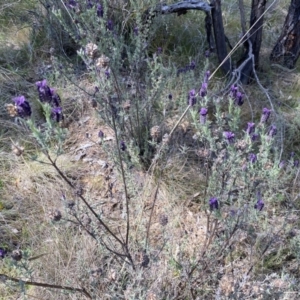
x,y
257,11
253,43
220,40
287,49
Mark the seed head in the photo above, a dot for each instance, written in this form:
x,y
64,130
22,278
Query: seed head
x,y
55,215
163,220
16,255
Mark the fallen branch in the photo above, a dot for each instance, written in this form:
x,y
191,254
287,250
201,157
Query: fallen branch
x,y
4,277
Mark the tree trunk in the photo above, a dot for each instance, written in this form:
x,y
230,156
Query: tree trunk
x,y
287,48
255,38
257,11
220,40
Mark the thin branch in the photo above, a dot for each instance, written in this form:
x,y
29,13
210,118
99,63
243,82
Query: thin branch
x,y
41,284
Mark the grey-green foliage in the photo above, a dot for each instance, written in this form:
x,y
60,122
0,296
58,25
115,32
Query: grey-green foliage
x,y
130,82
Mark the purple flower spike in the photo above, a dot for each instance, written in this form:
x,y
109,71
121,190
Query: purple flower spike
x,y
110,25
203,90
203,113
229,136
282,164
296,163
101,134
19,100
23,107
123,146
207,53
72,3
56,114
213,203
45,93
265,115
3,253
239,99
254,137
250,128
192,98
252,158
100,11
192,65
206,76
136,31
259,204
107,74
233,91
272,131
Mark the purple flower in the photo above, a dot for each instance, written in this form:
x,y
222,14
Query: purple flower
x,y
192,98
259,204
170,96
254,137
296,163
107,74
206,76
236,95
233,91
55,98
282,164
250,128
47,94
207,53
19,100
252,158
203,113
72,3
123,146
239,99
213,203
203,90
229,136
89,4
56,114
136,30
3,253
23,107
110,25
101,134
192,65
100,11
159,51
272,131
265,115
